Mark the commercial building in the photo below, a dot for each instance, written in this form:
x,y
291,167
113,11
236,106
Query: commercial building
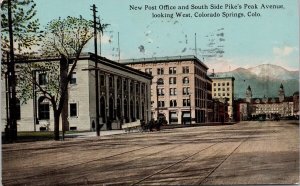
x,y
124,96
180,90
223,91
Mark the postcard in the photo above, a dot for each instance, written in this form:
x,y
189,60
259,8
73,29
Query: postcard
x,y
138,92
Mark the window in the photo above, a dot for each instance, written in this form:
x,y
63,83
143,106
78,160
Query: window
x,y
160,71
102,78
160,81
172,80
227,83
219,89
73,109
131,86
185,80
137,88
223,84
43,79
43,108
160,92
227,94
186,102
218,84
185,70
111,81
172,70
118,83
73,78
223,89
215,94
142,89
228,89
148,70
161,104
173,91
215,89
173,103
125,84
186,91
215,84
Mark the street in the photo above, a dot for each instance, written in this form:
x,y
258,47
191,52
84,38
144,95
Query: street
x,y
249,152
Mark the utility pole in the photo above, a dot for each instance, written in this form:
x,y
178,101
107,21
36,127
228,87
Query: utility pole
x,y
195,44
94,9
119,47
11,80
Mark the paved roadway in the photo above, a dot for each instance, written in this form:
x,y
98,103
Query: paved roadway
x,y
244,153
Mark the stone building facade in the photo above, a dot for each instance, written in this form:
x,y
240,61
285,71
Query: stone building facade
x,y
124,97
267,108
180,88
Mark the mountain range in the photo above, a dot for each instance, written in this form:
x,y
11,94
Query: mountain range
x,y
264,80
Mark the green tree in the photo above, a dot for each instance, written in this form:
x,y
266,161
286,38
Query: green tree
x,y
25,27
65,40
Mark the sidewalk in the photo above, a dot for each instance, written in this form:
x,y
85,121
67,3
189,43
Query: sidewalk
x,y
93,134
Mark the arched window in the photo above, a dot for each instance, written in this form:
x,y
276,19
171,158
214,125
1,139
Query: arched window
x,y
43,108
160,81
185,80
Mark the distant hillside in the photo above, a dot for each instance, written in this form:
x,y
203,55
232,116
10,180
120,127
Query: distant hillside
x,y
264,80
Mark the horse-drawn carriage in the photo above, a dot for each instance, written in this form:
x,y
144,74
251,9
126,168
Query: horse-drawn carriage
x,y
141,126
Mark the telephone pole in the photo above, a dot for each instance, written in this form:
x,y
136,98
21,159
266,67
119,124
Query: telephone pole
x,y
94,9
11,80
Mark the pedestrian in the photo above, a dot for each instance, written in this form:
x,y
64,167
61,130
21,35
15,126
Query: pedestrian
x,y
93,125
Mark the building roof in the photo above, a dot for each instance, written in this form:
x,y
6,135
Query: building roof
x,y
163,60
120,66
91,56
216,77
266,100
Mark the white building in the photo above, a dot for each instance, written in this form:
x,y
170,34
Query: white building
x,y
124,97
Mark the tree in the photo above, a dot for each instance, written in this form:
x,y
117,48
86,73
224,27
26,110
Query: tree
x,y
64,39
19,32
25,27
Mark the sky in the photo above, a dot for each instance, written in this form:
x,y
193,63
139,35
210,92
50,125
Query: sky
x,y
223,44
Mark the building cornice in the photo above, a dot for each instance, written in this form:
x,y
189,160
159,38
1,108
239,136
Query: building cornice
x,y
167,59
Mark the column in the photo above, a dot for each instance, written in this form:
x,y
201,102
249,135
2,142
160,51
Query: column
x,y
115,96
148,96
122,99
140,100
134,100
106,97
129,101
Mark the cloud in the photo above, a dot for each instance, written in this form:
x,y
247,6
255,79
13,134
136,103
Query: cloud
x,y
283,51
